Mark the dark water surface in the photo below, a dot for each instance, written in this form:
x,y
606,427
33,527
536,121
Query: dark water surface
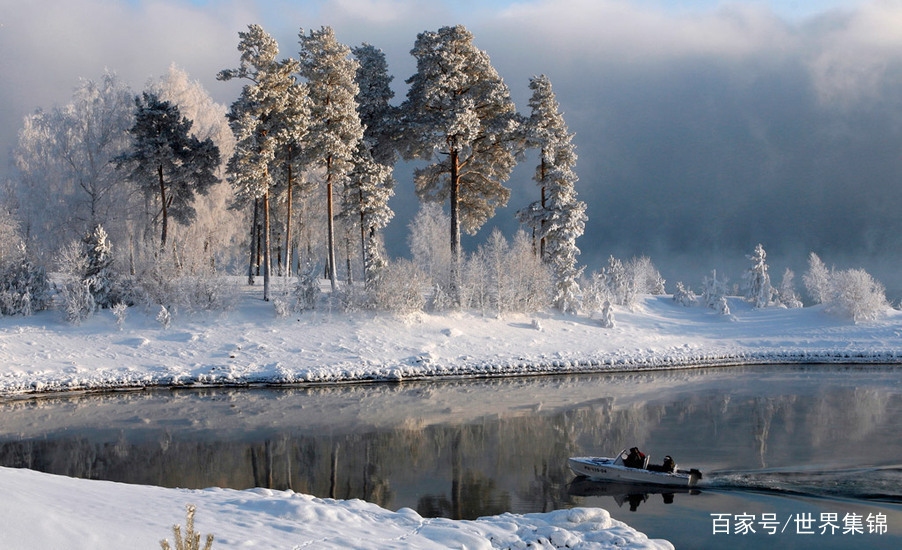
x,y
812,454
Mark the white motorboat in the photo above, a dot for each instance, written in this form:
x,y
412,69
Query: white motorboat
x,y
614,469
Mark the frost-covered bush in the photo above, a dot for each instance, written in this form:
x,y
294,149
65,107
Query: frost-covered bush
x,y
595,292
306,290
10,237
120,311
645,277
506,278
620,285
787,291
439,299
683,295
24,286
160,281
607,315
164,317
856,295
400,288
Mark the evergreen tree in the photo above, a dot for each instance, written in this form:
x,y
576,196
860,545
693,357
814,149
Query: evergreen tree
x,y
375,156
335,129
787,292
557,218
266,119
758,288
459,114
167,162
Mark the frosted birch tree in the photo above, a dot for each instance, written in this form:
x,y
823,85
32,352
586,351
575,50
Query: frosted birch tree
x,y
817,280
65,153
557,219
335,126
257,119
459,115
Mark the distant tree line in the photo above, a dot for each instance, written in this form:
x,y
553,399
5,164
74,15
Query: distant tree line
x,y
296,178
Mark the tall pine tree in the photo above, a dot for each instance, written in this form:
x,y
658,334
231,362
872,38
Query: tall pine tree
x,y
557,218
376,155
167,162
267,119
459,115
335,129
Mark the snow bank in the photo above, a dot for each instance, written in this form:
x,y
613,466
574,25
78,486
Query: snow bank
x,y
45,511
250,345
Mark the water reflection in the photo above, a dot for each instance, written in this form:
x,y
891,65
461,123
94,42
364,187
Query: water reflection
x,y
464,449
630,494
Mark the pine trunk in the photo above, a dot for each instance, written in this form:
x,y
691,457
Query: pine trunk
x,y
266,246
165,210
331,225
288,221
455,227
253,243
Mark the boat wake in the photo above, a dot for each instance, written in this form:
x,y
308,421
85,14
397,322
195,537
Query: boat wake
x,y
871,483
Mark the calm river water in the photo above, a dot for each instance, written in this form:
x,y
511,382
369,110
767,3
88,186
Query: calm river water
x,y
793,456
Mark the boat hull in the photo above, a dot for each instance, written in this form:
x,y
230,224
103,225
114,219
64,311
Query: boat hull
x,y
604,468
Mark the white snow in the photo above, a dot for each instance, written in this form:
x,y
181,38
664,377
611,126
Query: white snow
x,y
251,345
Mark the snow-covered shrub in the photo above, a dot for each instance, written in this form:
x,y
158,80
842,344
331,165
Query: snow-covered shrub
x,y
595,292
856,295
281,307
24,286
506,278
164,317
400,288
307,291
817,280
120,311
354,297
714,294
439,299
644,276
787,291
159,280
607,315
758,289
683,295
620,285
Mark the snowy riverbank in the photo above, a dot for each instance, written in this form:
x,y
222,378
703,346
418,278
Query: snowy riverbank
x,y
250,345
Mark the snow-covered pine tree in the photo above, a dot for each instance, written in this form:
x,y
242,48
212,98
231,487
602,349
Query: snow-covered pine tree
x,y
167,162
335,124
209,241
817,280
375,157
24,286
619,285
258,120
459,115
371,185
683,295
557,219
787,291
758,289
714,294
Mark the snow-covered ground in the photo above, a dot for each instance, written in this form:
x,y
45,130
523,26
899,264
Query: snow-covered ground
x,y
250,345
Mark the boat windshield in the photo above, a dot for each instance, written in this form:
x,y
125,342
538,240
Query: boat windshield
x,y
621,457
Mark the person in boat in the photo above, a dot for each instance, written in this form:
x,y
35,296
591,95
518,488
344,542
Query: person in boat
x,y
669,466
636,459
